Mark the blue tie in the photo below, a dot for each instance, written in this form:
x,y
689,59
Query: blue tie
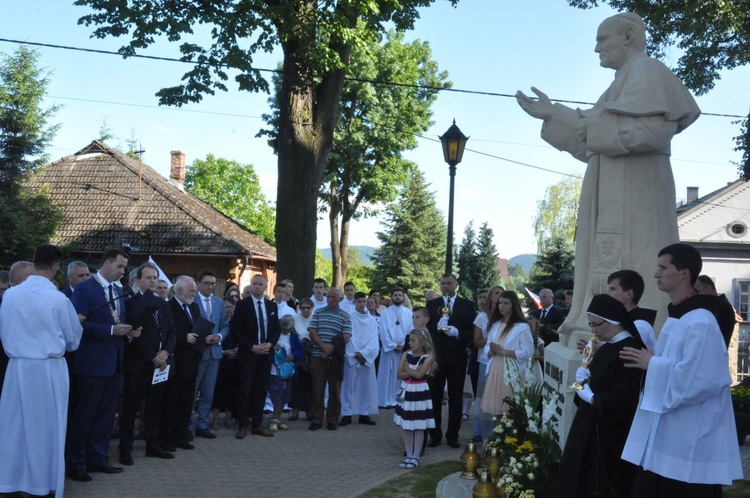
x,y
187,312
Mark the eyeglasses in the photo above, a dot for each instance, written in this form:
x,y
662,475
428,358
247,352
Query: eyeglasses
x,y
596,325
305,307
234,296
209,284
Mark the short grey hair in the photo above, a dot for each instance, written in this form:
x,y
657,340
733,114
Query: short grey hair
x,y
76,264
179,284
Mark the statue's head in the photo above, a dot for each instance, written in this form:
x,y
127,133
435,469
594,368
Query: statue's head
x,y
619,38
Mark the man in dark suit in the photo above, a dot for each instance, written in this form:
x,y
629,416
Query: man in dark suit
x,y
143,355
449,337
98,366
78,271
550,317
178,404
255,330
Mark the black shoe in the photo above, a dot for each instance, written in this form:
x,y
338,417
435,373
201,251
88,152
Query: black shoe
x,y
364,419
159,453
186,446
126,459
346,421
332,427
104,468
453,443
79,475
170,447
315,427
205,433
434,443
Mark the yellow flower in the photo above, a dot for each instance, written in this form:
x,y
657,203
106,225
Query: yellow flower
x,y
526,446
511,441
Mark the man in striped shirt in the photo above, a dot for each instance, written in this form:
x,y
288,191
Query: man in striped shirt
x,y
330,330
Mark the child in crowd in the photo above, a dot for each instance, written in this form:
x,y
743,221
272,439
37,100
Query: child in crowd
x,y
287,350
414,411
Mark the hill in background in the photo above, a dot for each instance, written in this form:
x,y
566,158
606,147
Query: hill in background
x,y
525,260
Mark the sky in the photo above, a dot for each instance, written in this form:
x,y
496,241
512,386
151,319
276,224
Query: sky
x,y
484,45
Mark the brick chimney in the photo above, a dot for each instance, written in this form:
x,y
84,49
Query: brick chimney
x,y
177,168
692,192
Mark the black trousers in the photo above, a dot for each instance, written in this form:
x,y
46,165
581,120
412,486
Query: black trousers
x,y
178,406
255,377
455,376
137,388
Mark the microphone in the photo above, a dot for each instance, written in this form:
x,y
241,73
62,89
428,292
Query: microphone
x,y
127,295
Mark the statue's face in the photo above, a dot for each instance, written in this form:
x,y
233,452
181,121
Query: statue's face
x,y
611,46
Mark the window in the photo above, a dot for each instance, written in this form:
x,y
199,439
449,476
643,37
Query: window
x,y
736,229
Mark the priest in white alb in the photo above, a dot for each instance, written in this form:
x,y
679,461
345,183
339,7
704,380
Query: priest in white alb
x,y
395,324
683,437
359,388
37,325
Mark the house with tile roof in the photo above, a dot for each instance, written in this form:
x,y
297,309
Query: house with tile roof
x,y
110,200
717,225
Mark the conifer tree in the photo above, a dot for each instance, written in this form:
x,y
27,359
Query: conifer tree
x,y
487,273
466,259
412,251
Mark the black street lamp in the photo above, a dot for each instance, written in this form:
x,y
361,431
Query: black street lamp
x,y
454,143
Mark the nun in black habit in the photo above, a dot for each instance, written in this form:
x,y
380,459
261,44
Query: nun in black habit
x,y
591,463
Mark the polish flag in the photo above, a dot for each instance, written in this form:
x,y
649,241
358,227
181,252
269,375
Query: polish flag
x,y
534,297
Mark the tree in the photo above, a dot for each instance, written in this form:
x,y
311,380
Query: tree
x,y
711,35
27,217
467,263
518,278
234,189
487,273
24,132
377,121
412,251
556,214
742,142
553,268
316,39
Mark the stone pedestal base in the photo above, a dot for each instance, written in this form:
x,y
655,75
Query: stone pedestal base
x,y
560,365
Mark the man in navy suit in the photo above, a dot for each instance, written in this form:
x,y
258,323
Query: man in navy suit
x,y
98,367
449,336
550,317
212,309
255,330
187,355
143,355
78,271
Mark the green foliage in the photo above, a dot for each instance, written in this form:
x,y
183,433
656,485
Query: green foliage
x,y
553,268
24,133
487,273
234,189
322,269
477,261
741,399
710,35
742,141
466,260
412,251
557,213
29,219
518,278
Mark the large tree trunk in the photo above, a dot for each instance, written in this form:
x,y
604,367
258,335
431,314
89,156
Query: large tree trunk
x,y
344,244
307,116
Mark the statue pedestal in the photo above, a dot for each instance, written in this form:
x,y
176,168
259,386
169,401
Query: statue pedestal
x,y
560,365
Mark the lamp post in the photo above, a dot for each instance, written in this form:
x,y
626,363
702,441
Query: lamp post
x,y
454,143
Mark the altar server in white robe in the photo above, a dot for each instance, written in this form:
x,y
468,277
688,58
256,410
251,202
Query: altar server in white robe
x,y
683,435
37,325
395,324
359,388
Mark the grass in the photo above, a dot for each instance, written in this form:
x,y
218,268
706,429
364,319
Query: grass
x,y
417,483
421,483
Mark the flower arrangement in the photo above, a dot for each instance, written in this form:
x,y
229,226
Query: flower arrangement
x,y
526,438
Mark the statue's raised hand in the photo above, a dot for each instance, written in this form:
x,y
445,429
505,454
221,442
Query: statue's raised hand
x,y
540,109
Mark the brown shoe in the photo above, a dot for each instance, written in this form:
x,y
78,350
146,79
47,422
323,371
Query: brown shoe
x,y
241,433
261,431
